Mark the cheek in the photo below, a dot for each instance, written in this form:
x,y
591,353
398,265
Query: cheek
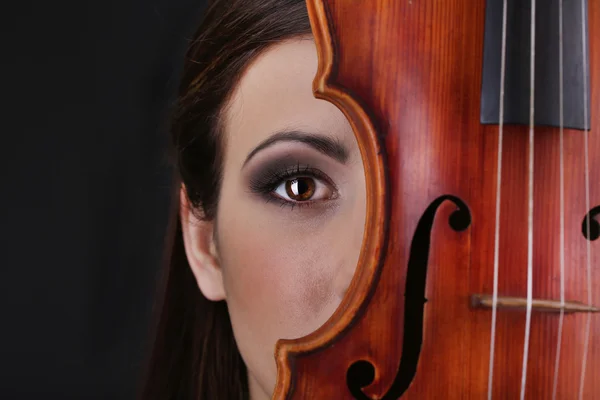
x,y
279,277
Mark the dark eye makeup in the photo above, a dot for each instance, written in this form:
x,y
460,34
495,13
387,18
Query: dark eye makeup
x,y
266,179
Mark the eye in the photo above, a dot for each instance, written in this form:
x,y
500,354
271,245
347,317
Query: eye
x,y
304,188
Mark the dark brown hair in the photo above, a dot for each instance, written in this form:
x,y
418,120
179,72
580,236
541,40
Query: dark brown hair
x,y
194,354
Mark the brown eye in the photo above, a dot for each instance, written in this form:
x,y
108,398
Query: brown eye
x,y
304,188
300,189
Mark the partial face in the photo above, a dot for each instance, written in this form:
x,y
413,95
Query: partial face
x,y
291,213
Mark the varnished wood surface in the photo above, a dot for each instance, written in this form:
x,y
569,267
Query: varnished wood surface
x,y
410,70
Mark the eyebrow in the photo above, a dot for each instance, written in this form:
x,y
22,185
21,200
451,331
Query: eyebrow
x,y
326,145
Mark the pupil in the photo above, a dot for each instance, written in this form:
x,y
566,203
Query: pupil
x,y
300,188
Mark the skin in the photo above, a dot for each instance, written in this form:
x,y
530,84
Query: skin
x,y
282,270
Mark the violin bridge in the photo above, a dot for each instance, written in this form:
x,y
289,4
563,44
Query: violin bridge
x,y
520,303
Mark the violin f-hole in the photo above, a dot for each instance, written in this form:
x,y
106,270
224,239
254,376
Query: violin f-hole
x,y
361,373
591,232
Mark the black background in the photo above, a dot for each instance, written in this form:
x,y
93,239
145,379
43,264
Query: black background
x,y
84,188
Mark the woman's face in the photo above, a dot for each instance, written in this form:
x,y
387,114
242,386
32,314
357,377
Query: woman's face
x,y
291,211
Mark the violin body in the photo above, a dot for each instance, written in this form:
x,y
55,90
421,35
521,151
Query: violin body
x,y
450,229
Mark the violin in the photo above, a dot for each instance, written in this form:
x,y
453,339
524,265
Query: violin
x,y
479,275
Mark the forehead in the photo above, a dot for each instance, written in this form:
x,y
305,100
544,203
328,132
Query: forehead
x,y
275,94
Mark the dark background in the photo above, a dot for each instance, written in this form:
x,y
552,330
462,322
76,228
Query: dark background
x,y
85,188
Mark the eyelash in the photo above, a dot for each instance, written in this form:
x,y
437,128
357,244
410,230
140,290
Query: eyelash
x,y
267,181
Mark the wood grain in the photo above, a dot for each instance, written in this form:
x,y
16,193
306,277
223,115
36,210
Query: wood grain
x,y
407,75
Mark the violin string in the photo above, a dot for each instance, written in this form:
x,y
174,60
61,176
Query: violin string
x,y
562,200
587,193
498,202
530,203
